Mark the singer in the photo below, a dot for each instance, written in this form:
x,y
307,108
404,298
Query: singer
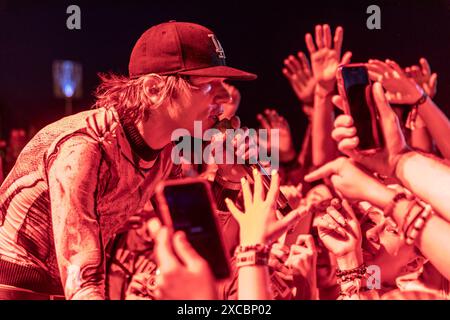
x,y
80,178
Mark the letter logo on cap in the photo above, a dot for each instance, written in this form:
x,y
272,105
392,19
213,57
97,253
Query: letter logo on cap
x,y
218,46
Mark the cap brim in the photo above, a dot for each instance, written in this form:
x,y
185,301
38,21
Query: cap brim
x,y
221,72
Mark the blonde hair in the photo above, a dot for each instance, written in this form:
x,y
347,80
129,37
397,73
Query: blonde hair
x,y
134,99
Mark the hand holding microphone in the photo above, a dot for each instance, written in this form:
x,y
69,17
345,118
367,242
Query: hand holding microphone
x,y
245,148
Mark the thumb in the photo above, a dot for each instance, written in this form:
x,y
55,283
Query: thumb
x,y
381,102
346,57
184,250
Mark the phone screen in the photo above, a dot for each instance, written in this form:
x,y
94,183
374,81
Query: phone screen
x,y
361,107
192,213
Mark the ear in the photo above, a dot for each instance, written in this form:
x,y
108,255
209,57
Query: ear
x,y
153,86
415,264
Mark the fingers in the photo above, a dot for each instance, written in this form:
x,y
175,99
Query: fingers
x,y
327,35
263,121
338,38
348,146
324,171
282,225
163,250
306,240
426,70
337,216
343,120
346,58
338,101
341,133
296,64
280,251
247,193
433,82
348,208
378,70
258,193
383,106
295,70
396,67
328,223
274,189
305,63
310,43
319,37
233,209
187,254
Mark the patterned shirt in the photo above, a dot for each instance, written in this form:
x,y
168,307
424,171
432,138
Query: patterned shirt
x,y
72,187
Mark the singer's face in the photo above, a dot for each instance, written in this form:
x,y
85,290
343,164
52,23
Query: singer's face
x,y
204,102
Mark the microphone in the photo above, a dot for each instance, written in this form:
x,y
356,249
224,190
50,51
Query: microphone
x,y
282,202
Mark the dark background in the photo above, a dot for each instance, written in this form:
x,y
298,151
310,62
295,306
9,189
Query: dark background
x,y
256,36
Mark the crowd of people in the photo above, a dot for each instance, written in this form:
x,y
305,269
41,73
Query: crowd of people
x,y
77,221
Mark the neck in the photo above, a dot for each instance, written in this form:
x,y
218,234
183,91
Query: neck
x,y
156,131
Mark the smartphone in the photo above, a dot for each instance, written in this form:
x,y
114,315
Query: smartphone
x,y
355,87
188,205
303,226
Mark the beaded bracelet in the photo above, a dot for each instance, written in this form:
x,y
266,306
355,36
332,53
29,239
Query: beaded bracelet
x,y
351,275
390,207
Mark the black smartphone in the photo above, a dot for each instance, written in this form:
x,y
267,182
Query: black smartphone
x,y
188,205
356,88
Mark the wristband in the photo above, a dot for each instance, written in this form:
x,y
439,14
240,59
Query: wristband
x,y
422,99
253,255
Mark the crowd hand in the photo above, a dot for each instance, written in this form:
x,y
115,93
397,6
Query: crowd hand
x,y
259,223
183,273
347,179
137,289
302,259
344,133
399,88
325,55
298,71
340,231
423,77
244,146
293,194
272,120
277,257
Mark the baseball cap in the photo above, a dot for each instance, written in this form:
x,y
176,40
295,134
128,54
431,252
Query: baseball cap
x,y
182,48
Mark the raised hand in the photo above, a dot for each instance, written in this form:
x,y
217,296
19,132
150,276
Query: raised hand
x,y
351,182
423,77
302,259
399,88
298,71
326,55
259,223
339,230
272,120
